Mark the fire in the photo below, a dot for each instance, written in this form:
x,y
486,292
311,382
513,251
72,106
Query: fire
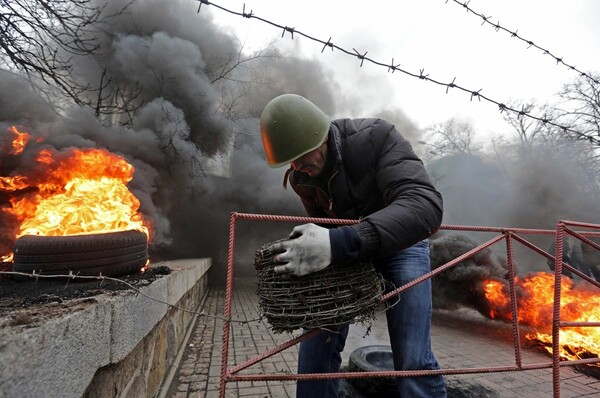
x,y
72,192
535,297
19,142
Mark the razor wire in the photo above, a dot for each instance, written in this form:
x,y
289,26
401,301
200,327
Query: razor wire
x,y
393,67
515,34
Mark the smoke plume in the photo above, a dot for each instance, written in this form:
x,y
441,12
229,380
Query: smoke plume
x,y
462,285
193,135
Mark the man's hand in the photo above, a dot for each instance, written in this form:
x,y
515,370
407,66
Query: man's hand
x,y
308,250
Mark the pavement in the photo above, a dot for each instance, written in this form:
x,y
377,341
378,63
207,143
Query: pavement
x,y
461,339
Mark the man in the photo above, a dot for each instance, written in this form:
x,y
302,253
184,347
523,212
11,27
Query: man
x,y
360,169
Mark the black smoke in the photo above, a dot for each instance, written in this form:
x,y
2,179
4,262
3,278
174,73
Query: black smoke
x,y
462,285
515,188
193,138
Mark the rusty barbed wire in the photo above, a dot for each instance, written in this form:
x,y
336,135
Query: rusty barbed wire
x,y
102,278
515,34
338,295
362,57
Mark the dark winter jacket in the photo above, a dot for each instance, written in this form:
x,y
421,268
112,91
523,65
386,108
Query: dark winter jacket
x,y
373,175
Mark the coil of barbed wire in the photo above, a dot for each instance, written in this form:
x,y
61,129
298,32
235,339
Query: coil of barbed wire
x,y
339,294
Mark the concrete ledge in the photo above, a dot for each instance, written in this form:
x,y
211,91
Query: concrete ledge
x,y
62,357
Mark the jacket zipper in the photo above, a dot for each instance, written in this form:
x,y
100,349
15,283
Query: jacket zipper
x,y
320,189
329,188
327,194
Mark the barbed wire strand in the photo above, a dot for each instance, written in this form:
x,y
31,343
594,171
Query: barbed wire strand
x,y
515,34
396,67
72,276
103,278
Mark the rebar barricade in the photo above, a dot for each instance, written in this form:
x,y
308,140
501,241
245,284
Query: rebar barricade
x,y
508,235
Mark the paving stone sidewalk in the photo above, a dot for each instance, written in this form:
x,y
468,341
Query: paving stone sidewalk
x,y
461,339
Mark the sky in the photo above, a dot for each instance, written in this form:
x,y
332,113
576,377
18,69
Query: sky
x,y
437,37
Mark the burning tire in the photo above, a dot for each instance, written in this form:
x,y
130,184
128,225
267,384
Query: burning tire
x,y
109,254
373,358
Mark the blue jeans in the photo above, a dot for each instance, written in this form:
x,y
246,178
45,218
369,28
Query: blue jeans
x,y
409,327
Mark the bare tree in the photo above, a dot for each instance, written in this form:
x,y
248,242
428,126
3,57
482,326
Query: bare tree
x,y
531,133
39,38
583,97
247,77
527,130
450,138
69,46
540,143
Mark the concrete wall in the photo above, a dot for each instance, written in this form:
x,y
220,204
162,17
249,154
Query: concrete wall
x,y
118,347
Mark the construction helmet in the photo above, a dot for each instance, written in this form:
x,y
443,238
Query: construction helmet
x,y
291,126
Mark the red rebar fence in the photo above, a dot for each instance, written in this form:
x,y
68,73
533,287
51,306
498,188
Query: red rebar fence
x,y
508,235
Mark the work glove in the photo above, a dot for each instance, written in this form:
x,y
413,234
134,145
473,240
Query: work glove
x,y
306,251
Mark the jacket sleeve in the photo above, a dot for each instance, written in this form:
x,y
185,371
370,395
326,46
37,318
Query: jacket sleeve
x,y
413,207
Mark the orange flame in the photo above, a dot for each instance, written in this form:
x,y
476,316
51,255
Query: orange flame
x,y
19,142
535,298
77,191
13,183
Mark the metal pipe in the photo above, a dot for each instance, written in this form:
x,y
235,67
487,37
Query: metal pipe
x,y
558,265
513,300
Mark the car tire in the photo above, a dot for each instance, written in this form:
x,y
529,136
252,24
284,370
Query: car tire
x,y
109,254
373,358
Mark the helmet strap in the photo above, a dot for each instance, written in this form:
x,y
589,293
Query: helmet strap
x,y
286,176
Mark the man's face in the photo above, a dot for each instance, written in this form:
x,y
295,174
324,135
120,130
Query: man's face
x,y
311,163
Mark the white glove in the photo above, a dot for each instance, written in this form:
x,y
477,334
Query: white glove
x,y
308,250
